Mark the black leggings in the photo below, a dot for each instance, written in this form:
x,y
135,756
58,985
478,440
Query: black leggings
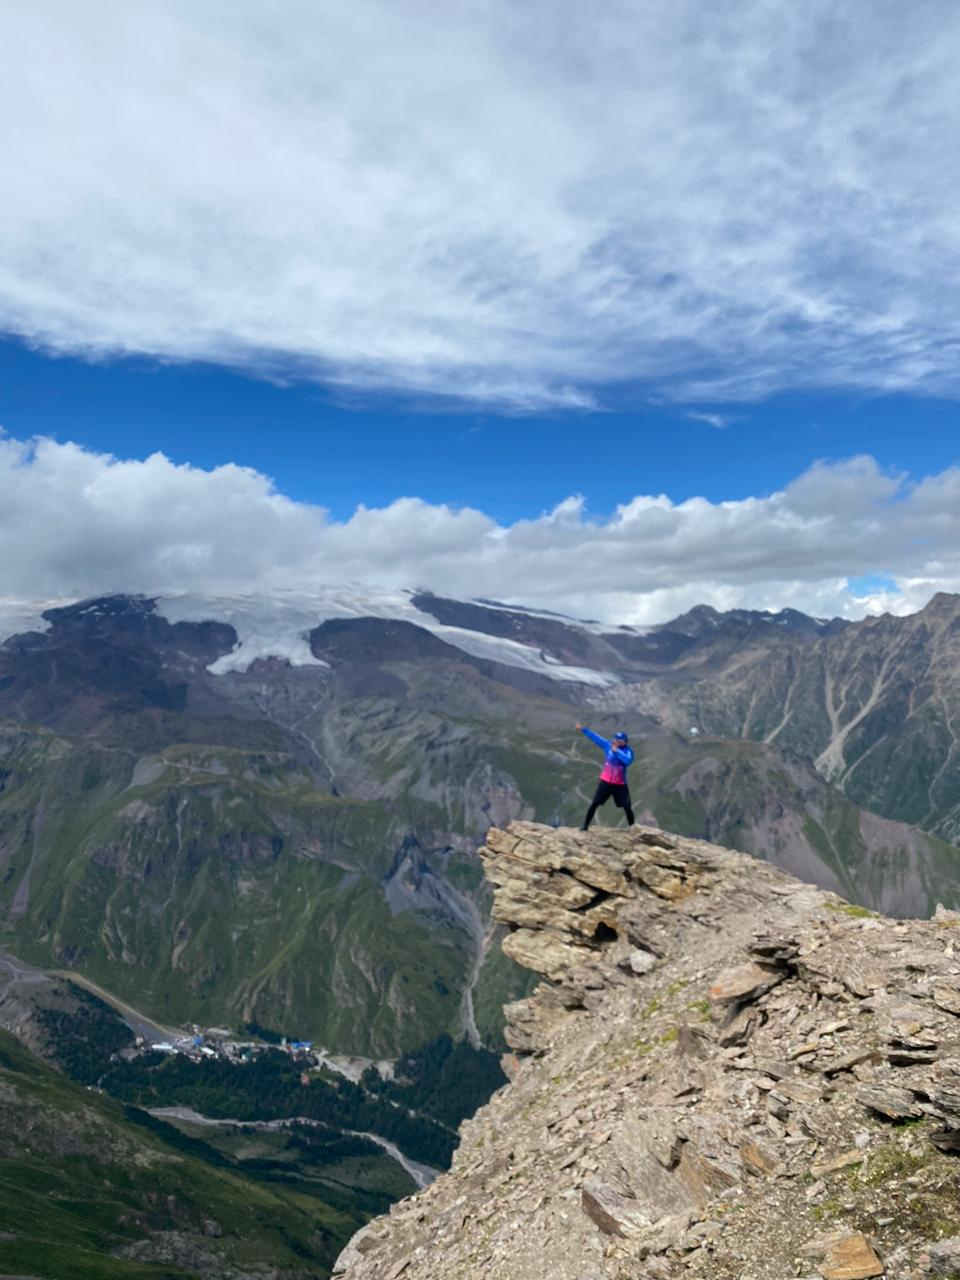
x,y
621,798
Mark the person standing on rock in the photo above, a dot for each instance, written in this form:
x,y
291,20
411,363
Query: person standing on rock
x,y
613,779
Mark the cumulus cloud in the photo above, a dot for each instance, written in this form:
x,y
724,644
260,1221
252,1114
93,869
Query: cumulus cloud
x,y
74,523
516,204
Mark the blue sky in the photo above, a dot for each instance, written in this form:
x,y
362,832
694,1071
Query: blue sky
x,y
334,451
612,310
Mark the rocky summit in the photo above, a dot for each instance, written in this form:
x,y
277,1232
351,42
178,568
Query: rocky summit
x,y
725,1072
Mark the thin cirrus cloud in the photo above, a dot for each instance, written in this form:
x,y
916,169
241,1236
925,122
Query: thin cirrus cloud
x,y
519,205
75,523
719,421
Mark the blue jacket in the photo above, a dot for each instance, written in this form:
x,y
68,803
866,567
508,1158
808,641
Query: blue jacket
x,y
617,762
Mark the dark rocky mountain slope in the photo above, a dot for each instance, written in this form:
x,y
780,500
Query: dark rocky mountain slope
x,y
874,705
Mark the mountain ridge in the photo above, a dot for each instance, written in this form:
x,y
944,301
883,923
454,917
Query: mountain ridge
x,y
152,788
725,1072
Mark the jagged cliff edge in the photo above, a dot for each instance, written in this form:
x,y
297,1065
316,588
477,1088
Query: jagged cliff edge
x,y
725,1073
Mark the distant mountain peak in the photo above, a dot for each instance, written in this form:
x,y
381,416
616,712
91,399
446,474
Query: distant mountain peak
x,y
703,618
943,603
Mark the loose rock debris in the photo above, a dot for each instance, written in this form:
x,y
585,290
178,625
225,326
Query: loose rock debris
x,y
724,1073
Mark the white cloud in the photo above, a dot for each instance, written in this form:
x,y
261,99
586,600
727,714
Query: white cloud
x,y
719,421
507,203
74,523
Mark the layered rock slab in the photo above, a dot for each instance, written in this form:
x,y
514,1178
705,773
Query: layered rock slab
x,y
725,1072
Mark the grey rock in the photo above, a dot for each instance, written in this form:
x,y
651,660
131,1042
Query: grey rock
x,y
745,982
640,961
614,1213
667,1123
890,1101
739,1028
944,1257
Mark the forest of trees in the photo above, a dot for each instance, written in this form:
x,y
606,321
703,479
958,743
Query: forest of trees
x,y
269,1088
83,1038
314,1148
445,1079
442,1082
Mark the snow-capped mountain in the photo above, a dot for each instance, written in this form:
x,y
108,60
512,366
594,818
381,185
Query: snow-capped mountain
x,y
282,625
267,807
279,625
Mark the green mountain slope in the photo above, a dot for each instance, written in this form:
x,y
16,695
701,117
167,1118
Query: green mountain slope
x,y
221,884
92,1191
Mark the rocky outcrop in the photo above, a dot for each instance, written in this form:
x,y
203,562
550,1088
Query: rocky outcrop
x,y
725,1072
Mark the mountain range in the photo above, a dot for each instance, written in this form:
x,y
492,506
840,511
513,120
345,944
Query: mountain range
x,y
264,814
233,810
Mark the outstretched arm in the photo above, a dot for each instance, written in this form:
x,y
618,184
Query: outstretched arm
x,y
594,737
